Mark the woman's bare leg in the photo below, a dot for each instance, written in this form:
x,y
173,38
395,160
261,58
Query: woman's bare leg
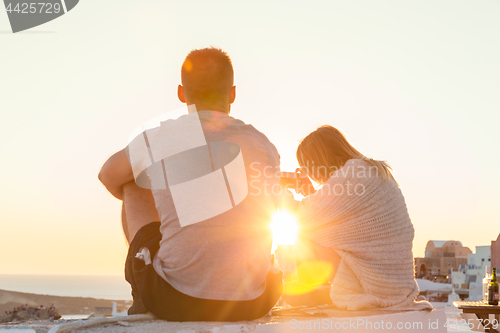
x,y
325,259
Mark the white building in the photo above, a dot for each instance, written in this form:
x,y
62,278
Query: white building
x,y
481,258
457,279
472,274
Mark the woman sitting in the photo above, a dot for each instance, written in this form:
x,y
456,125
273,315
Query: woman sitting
x,y
358,220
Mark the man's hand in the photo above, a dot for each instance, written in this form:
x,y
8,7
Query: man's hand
x,y
116,172
298,182
305,187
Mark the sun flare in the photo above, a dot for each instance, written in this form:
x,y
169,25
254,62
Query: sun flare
x,y
285,228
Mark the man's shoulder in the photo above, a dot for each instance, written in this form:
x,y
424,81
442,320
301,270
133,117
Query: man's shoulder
x,y
252,130
217,125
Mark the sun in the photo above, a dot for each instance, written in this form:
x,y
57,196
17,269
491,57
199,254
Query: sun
x,y
285,228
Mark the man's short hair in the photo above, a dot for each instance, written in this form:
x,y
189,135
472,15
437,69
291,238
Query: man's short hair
x,y
207,75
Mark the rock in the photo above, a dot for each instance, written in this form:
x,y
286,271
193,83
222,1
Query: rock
x,y
123,323
4,318
22,315
42,314
54,315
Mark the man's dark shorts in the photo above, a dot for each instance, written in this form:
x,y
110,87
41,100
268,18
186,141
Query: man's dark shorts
x,y
161,299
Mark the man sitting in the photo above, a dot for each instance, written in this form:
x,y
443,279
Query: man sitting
x,y
218,268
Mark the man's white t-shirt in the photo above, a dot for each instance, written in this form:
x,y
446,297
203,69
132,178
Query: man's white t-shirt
x,y
228,256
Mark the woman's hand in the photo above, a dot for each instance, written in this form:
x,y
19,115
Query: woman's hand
x,y
305,187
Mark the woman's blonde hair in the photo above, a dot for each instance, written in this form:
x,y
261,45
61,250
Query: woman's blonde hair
x,y
326,150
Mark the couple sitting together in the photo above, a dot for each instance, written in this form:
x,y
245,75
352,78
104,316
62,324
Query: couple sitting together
x,y
221,268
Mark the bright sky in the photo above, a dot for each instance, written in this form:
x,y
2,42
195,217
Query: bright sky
x,y
415,83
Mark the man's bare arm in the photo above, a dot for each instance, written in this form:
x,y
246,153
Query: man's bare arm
x,y
116,172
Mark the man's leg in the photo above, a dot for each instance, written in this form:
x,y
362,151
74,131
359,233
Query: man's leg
x,y
125,225
138,209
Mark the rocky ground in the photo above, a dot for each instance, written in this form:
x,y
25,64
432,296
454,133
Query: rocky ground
x,y
26,312
17,307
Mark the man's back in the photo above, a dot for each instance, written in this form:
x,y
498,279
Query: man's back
x,y
214,186
225,257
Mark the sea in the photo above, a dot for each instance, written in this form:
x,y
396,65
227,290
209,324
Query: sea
x,y
113,287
